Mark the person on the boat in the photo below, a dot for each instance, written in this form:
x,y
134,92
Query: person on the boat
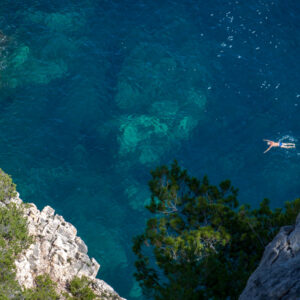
x,y
279,144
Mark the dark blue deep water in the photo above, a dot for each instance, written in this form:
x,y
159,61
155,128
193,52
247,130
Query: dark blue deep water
x,y
94,94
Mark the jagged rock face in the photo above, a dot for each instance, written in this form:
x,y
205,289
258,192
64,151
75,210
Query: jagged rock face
x,y
57,251
278,274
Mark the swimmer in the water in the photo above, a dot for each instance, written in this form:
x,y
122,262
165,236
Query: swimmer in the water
x,y
279,144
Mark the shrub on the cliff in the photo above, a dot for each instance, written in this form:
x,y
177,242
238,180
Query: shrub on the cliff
x,y
13,238
7,187
44,290
80,290
13,228
200,244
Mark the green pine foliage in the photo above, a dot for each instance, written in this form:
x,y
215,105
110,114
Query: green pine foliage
x,y
80,290
44,290
7,187
199,242
13,238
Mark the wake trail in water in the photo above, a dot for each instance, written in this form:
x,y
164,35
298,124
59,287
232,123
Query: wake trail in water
x,y
290,139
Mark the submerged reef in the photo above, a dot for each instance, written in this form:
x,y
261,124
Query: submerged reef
x,y
155,81
29,61
63,22
22,65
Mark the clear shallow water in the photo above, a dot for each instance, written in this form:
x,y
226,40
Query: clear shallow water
x,y
94,95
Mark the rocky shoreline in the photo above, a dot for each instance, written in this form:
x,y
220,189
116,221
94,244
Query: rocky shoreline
x,y
277,276
57,251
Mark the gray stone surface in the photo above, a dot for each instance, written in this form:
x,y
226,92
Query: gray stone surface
x,y
278,274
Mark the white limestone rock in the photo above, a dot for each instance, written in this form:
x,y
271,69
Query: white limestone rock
x,y
57,251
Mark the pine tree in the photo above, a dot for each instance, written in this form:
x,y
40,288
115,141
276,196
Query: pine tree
x,y
200,243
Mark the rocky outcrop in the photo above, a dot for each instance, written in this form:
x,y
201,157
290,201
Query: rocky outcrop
x,y
57,251
278,274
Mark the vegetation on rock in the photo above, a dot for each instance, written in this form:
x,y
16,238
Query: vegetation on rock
x,y
45,289
200,243
7,187
80,289
13,239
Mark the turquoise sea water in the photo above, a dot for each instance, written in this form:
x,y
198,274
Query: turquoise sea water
x,y
95,94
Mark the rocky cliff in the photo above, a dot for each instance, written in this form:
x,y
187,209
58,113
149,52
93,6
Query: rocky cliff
x,y
278,274
57,251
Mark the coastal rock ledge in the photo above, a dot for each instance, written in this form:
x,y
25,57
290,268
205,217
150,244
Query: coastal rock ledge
x,y
278,274
57,251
